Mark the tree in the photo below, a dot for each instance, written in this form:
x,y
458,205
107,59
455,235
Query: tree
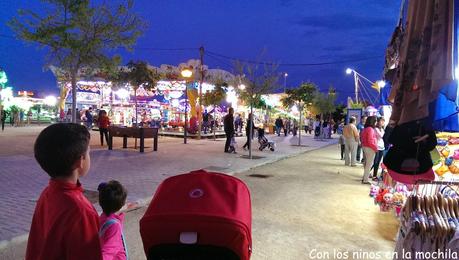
x,y
80,35
300,96
137,74
255,80
339,113
324,104
214,98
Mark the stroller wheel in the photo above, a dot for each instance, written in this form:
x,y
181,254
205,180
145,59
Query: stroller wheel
x,y
261,149
272,149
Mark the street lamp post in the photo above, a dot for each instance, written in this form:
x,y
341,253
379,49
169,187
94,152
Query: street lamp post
x,y
186,73
356,83
379,83
285,80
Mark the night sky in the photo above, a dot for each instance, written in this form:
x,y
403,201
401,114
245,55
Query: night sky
x,y
286,31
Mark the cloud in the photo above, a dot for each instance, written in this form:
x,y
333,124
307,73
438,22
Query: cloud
x,y
345,22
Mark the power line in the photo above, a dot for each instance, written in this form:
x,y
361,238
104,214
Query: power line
x,y
219,60
166,49
294,64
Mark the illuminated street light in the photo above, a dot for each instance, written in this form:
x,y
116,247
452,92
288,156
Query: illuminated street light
x,y
50,101
186,73
357,76
122,93
285,80
241,87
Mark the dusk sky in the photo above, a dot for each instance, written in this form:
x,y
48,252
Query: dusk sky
x,y
289,31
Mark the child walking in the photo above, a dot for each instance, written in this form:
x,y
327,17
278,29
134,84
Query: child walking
x,y
65,225
112,197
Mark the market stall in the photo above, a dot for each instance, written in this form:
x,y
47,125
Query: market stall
x,y
421,183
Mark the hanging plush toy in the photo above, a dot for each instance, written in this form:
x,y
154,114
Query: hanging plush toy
x,y
388,203
453,168
398,200
374,189
442,170
445,152
449,160
379,199
402,188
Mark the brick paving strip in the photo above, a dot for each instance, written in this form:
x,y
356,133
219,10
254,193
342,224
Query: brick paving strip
x,y
22,180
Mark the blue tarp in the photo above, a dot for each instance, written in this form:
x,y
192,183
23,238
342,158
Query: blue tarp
x,y
444,111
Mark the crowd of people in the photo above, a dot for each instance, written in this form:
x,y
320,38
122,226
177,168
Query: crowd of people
x,y
321,129
365,143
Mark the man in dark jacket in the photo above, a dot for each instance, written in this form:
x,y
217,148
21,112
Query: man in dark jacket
x,y
279,125
247,132
228,124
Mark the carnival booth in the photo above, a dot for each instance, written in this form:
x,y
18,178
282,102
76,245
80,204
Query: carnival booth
x,y
422,164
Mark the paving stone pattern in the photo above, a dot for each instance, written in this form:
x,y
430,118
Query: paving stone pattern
x,y
22,180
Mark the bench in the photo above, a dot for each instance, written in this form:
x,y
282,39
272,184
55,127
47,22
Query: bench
x,y
133,132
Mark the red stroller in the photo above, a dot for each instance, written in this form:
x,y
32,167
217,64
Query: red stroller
x,y
200,215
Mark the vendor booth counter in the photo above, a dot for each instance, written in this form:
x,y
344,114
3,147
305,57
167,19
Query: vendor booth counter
x,y
133,132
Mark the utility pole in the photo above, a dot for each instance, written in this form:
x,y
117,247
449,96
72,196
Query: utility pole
x,y
201,54
356,82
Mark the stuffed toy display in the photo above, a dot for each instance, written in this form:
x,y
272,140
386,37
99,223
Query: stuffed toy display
x,y
374,189
398,201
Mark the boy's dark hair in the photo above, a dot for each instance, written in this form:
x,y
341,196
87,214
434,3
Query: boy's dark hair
x,y
59,146
351,120
112,196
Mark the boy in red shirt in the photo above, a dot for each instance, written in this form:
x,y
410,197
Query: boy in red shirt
x,y
65,224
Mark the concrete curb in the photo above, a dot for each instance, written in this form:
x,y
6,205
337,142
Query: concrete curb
x,y
140,203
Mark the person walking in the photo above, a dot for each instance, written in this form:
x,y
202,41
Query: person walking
x,y
341,141
279,125
68,116
295,127
16,118
310,125
360,127
89,118
104,123
3,118
306,125
228,125
286,124
248,143
205,121
351,140
316,126
21,118
369,146
379,132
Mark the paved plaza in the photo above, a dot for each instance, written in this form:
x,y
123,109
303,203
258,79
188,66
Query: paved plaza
x,y
22,180
302,206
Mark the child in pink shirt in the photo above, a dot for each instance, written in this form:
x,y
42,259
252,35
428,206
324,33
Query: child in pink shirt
x,y
112,197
